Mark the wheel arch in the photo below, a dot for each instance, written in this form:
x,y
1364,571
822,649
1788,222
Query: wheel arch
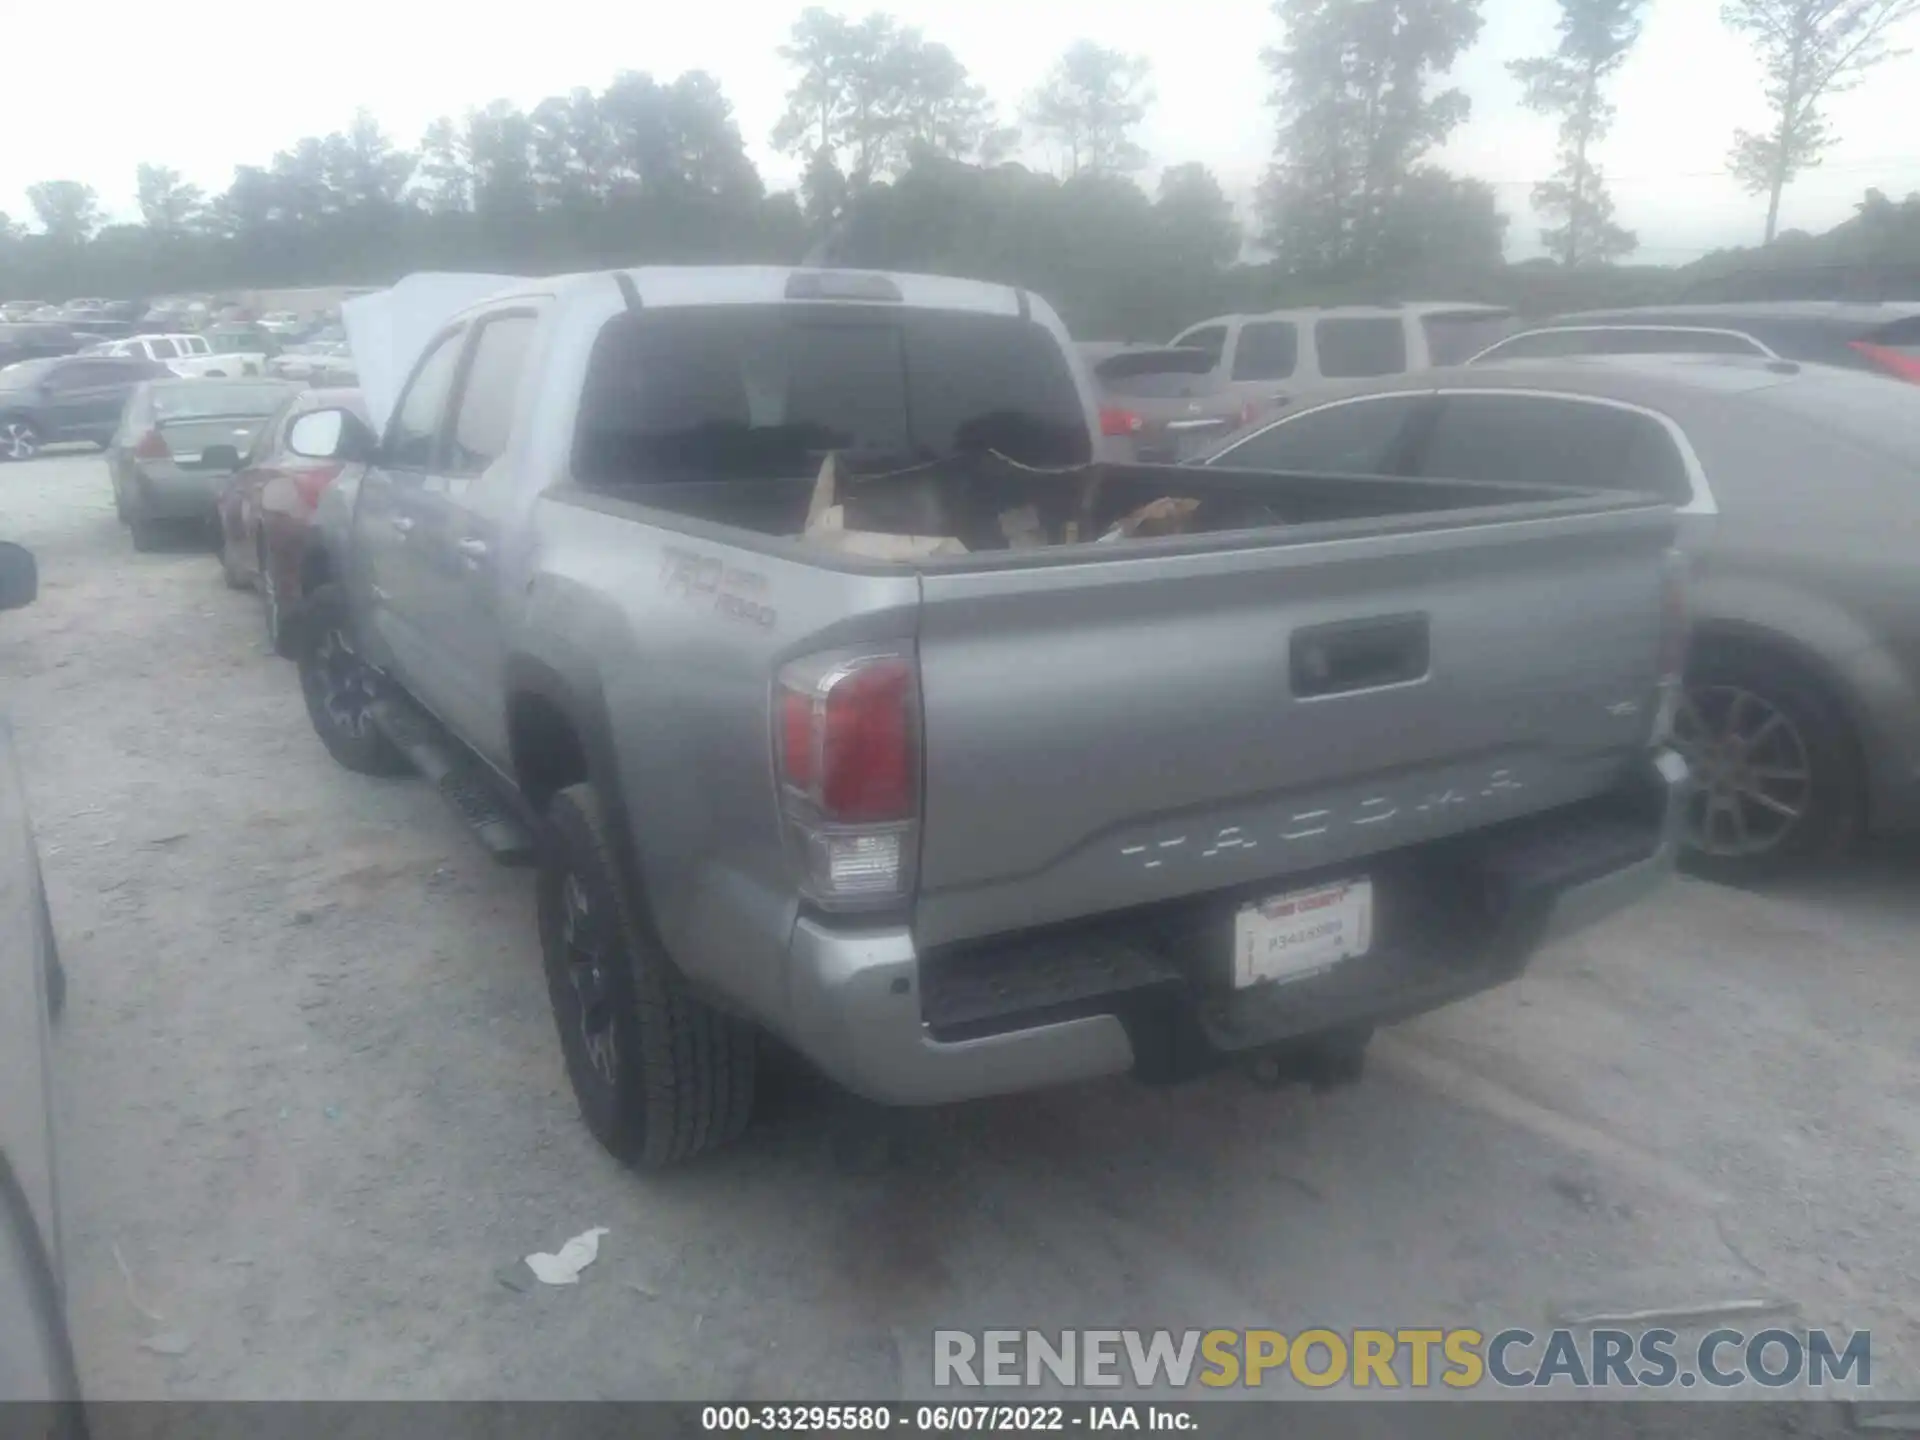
x,y
559,734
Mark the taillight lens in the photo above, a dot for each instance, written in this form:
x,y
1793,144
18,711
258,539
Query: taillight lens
x,y
1119,422
847,737
1895,362
152,447
308,483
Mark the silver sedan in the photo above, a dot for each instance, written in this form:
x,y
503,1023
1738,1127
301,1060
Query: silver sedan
x,y
1801,710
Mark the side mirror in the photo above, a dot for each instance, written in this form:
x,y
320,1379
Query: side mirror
x,y
19,576
219,457
331,435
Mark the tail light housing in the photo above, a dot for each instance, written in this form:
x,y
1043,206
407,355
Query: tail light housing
x,y
152,447
309,481
1115,421
1897,363
847,750
1674,621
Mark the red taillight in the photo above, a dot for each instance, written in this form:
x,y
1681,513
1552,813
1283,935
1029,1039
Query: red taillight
x,y
152,447
1895,362
866,745
847,729
1119,422
310,482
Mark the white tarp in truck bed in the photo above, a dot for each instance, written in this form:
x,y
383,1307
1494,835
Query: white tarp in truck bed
x,y
388,330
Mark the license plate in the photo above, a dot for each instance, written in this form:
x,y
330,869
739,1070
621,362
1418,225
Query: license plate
x,y
1302,932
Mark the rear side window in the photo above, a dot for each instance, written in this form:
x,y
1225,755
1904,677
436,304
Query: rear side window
x,y
1354,349
1267,350
1355,438
484,413
1542,440
766,392
1457,335
162,349
1210,338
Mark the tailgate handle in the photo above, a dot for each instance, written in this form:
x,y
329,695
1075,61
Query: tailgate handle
x,y
1350,655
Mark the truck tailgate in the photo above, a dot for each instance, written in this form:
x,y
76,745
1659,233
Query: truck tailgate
x,y
1108,734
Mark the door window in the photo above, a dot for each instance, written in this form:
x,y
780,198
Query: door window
x,y
1544,440
1268,350
483,415
412,436
1355,438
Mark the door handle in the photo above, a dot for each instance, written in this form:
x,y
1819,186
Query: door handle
x,y
402,524
474,550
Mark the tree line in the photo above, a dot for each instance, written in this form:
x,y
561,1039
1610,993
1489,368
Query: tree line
x,y
907,162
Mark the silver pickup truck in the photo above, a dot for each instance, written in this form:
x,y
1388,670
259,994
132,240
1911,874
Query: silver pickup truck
x,y
972,812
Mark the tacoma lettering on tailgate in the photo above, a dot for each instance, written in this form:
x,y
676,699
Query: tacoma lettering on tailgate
x,y
706,581
1306,824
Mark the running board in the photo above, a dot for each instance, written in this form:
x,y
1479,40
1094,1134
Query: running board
x,y
461,781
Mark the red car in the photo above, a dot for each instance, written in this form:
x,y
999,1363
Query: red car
x,y
266,508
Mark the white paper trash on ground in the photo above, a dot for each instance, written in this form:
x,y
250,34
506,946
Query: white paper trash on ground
x,y
564,1268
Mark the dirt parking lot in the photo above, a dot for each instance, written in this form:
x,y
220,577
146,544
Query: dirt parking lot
x,y
314,1108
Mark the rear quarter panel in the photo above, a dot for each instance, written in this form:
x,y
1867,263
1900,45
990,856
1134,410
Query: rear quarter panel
x,y
675,635
1811,550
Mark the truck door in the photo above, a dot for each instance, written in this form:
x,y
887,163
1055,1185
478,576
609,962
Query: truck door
x,y
389,515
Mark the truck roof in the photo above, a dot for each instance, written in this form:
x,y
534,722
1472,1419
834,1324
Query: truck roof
x,y
672,285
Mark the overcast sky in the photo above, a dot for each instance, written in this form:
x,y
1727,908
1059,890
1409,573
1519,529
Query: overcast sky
x,y
214,83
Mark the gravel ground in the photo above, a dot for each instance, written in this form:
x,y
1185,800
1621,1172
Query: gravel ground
x,y
314,1106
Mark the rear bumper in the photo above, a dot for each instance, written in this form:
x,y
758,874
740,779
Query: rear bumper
x,y
1126,995
173,494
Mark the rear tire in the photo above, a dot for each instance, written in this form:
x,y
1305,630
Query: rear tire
x,y
234,579
145,532
340,689
1751,720
659,1075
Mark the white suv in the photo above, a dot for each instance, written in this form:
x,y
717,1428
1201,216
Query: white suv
x,y
1266,358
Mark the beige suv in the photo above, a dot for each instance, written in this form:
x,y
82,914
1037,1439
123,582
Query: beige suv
x,y
1268,358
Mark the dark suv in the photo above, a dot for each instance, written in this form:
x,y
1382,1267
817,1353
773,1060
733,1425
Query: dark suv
x,y
1883,338
79,397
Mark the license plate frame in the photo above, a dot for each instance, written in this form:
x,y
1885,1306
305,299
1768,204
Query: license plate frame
x,y
1300,933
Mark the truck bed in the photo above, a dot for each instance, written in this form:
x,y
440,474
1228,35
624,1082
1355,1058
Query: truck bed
x,y
1324,669
1254,507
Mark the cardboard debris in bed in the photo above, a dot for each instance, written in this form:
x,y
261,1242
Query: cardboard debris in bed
x,y
827,525
938,509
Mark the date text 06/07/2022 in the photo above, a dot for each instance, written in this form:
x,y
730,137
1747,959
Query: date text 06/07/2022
x,y
945,1419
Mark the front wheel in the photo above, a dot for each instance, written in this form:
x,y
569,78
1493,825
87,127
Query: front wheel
x,y
659,1075
340,689
19,439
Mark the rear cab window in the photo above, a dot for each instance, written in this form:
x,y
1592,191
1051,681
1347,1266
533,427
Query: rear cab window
x,y
1360,346
765,392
